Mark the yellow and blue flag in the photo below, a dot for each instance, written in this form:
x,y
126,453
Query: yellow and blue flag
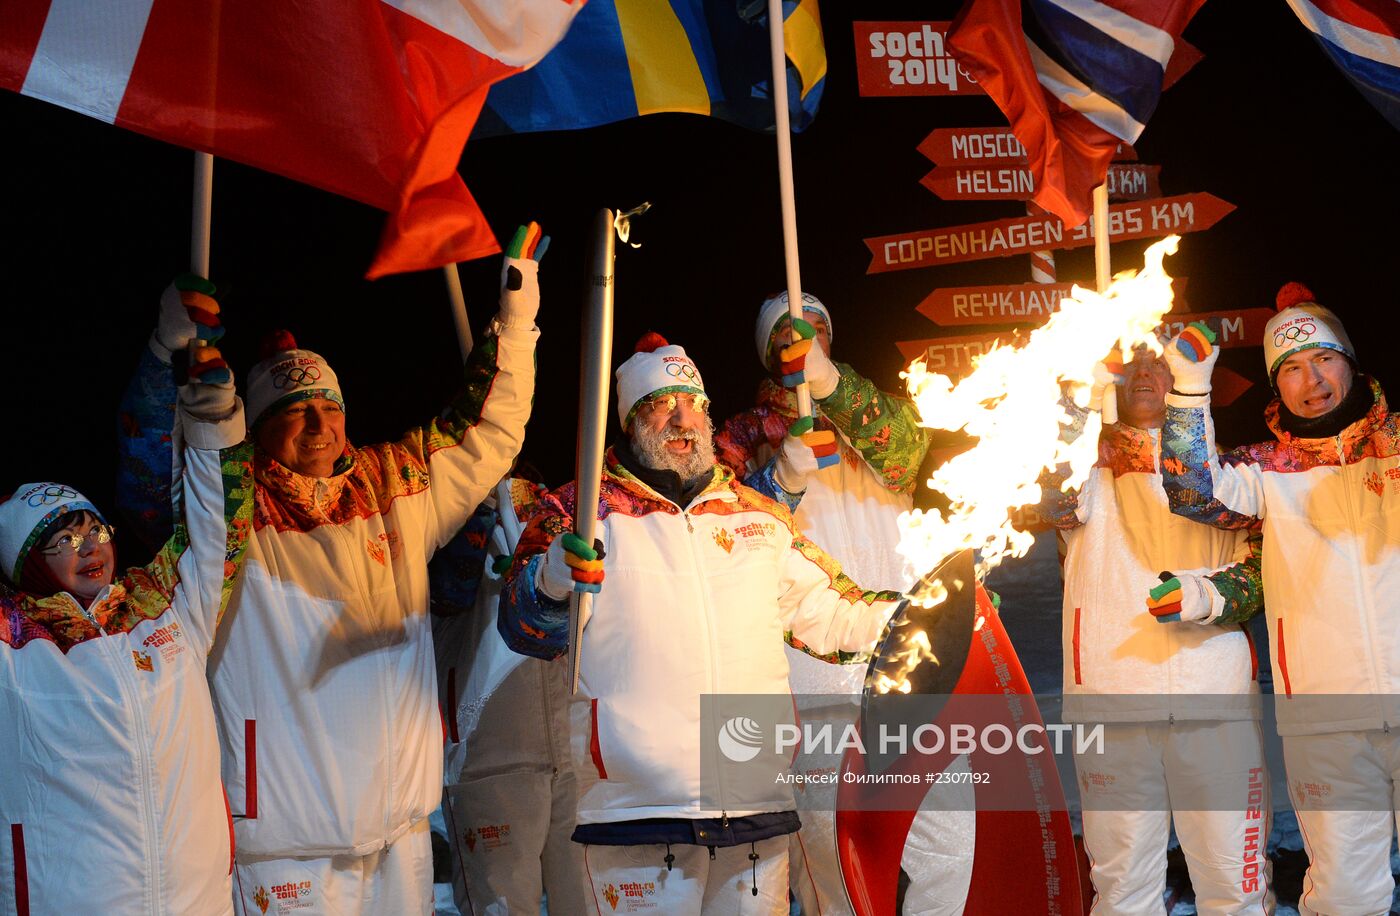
x,y
626,58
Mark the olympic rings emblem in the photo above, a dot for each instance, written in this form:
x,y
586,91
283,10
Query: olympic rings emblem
x,y
1297,333
681,370
296,376
50,494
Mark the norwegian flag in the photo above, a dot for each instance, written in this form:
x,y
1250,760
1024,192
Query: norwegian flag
x,y
372,99
1074,78
1363,39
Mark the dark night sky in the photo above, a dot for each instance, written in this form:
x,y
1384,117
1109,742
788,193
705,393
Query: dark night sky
x,y
97,222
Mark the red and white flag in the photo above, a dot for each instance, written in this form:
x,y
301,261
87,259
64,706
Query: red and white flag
x,y
372,99
1074,78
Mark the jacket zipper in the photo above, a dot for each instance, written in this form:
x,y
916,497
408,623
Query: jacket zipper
x,y
714,675
1365,604
124,665
391,756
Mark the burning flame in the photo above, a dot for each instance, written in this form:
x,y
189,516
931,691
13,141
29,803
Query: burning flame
x,y
1010,404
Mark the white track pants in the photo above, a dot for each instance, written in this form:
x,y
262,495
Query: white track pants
x,y
1207,777
635,879
1344,789
396,881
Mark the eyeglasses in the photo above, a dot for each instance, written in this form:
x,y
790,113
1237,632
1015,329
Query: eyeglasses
x,y
663,405
69,543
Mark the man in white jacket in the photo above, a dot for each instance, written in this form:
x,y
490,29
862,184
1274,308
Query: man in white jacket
x,y
851,508
1327,492
703,577
323,679
1177,693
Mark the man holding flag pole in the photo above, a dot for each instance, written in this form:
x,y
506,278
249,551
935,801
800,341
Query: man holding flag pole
x,y
323,679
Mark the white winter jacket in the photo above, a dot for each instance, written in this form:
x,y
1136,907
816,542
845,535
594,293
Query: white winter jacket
x,y
1331,515
694,602
324,682
109,778
1120,664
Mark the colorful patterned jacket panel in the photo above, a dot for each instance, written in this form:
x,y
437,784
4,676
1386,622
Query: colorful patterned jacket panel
x,y
327,652
107,737
851,510
1330,515
695,602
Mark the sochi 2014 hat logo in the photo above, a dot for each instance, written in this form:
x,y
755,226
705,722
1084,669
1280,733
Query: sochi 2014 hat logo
x,y
1299,330
741,739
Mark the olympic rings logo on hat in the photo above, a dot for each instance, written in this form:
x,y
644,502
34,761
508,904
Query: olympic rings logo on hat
x,y
50,494
681,370
297,376
1297,334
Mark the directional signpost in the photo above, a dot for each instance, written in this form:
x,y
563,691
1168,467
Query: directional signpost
x,y
983,145
1023,234
1126,181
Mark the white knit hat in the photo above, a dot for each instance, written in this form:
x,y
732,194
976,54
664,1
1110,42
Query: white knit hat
x,y
25,516
1301,324
656,367
772,312
288,374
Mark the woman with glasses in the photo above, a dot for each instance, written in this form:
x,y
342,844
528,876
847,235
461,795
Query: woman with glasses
x,y
110,797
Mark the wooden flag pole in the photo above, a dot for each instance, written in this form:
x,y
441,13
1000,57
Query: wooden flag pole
x,y
594,389
203,208
785,184
1103,275
458,303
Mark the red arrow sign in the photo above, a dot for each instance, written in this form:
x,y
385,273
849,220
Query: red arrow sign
x,y
908,58
984,145
1238,328
1226,386
952,355
1130,181
1022,303
1022,234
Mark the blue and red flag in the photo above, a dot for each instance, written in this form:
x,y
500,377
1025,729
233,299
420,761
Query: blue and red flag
x,y
1074,77
1363,39
626,58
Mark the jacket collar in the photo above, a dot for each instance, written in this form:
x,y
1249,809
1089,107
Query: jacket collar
x,y
306,495
63,616
1353,439
721,485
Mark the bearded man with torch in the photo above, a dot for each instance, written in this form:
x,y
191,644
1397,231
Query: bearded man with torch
x,y
694,578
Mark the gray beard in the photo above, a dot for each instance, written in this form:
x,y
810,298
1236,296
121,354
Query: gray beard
x,y
650,448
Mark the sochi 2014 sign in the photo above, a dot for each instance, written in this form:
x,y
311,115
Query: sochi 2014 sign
x,y
908,58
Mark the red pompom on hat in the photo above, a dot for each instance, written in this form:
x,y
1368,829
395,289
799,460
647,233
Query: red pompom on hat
x,y
275,342
1291,294
650,342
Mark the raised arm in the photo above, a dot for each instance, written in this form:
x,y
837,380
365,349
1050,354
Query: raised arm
x,y
147,460
1200,486
472,444
195,571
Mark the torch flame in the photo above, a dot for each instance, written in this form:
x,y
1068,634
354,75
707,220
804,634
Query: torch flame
x,y
1011,404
